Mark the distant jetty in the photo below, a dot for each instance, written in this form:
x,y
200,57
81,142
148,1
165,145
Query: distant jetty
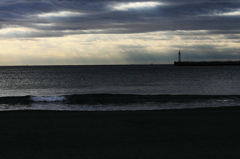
x,y
206,63
203,63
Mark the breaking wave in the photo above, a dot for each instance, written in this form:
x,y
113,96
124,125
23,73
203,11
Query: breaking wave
x,y
47,98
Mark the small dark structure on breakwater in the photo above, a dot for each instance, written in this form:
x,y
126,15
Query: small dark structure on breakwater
x,y
203,63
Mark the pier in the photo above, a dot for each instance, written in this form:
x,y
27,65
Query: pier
x,y
203,63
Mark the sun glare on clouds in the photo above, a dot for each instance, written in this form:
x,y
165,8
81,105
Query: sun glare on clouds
x,y
15,31
134,5
59,14
232,13
44,24
235,13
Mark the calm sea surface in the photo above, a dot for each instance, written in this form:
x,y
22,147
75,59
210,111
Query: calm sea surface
x,y
53,87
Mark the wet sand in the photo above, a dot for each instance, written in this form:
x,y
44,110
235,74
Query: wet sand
x,y
198,133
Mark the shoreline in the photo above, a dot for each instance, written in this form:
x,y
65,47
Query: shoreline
x,y
192,109
183,133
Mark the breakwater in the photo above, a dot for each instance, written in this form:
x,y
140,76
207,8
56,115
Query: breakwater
x,y
205,63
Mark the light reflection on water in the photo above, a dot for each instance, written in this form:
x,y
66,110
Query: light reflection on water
x,y
131,79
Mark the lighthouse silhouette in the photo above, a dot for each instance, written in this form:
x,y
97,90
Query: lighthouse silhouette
x,y
179,56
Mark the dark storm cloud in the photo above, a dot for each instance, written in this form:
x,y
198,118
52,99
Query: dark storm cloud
x,y
99,16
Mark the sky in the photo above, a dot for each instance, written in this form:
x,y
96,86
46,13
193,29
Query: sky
x,y
93,32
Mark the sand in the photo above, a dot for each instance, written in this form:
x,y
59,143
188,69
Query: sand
x,y
198,133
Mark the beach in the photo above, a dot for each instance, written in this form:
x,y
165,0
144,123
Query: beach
x,y
189,133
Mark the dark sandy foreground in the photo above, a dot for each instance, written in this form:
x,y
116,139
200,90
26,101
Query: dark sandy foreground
x,y
200,133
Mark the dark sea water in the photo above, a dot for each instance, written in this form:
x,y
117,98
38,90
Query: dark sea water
x,y
118,87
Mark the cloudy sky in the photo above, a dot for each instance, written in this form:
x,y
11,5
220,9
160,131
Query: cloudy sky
x,y
79,32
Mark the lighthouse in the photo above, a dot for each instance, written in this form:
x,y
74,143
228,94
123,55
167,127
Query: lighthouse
x,y
179,56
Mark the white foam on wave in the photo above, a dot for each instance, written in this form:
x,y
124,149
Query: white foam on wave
x,y
48,98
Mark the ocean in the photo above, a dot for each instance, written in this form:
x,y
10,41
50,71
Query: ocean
x,y
118,87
